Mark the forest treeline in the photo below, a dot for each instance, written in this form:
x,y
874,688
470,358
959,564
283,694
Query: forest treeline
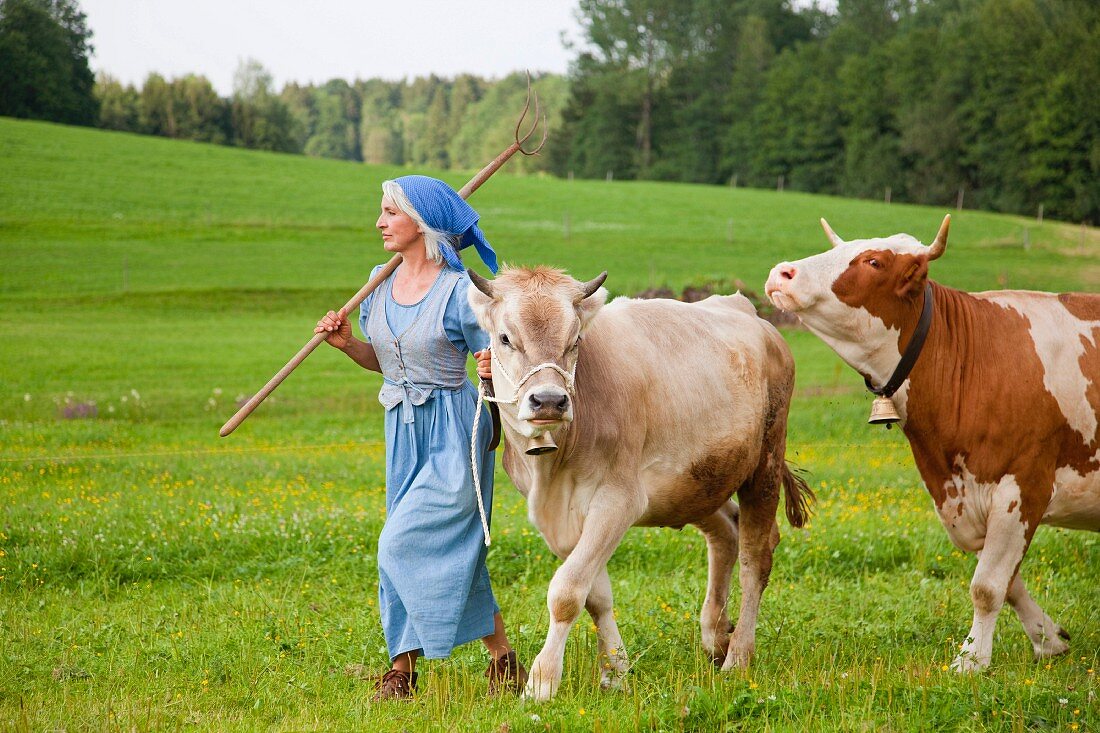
x,y
996,102
985,103
430,121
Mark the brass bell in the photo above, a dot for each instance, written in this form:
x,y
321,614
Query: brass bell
x,y
883,412
540,444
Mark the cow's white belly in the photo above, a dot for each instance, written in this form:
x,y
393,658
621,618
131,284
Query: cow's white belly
x,y
964,512
1076,500
969,505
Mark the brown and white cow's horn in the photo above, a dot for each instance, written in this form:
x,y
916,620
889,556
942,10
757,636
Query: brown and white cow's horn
x,y
485,286
833,238
592,285
940,244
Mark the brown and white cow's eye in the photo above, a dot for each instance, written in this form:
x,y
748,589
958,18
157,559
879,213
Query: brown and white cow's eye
x,y
504,340
874,263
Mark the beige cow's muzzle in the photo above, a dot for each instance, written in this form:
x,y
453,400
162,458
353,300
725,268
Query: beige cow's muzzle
x,y
542,408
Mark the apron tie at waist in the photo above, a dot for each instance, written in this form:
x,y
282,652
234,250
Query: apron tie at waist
x,y
406,394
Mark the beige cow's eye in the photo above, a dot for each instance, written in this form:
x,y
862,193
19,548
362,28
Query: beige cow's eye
x,y
504,340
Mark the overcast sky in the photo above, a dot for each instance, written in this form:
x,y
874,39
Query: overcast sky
x,y
314,41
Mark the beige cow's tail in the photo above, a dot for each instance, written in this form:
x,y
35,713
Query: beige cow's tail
x,y
798,496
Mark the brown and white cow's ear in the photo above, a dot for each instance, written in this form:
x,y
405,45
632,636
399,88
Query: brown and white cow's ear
x,y
913,276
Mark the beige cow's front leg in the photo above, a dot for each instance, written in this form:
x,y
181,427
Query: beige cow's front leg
x,y
612,654
608,519
1006,540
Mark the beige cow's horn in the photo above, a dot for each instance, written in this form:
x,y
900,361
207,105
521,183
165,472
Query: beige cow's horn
x,y
592,285
936,249
833,238
485,286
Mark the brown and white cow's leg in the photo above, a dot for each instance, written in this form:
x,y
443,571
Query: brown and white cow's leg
x,y
758,537
609,517
720,531
1040,628
612,654
1006,541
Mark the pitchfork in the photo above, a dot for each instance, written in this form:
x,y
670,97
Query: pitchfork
x,y
390,266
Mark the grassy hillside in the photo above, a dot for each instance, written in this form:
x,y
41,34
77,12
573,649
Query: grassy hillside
x,y
153,575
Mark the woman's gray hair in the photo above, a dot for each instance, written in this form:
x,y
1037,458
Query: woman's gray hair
x,y
433,238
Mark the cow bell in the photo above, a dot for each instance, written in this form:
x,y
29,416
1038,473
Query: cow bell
x,y
883,412
541,444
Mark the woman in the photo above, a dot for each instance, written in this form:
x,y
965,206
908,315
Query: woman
x,y
434,590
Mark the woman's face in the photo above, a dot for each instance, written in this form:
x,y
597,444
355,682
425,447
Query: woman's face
x,y
399,231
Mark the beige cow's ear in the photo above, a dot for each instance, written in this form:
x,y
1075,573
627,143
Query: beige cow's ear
x,y
480,297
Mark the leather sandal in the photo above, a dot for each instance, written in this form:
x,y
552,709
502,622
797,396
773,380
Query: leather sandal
x,y
506,674
395,685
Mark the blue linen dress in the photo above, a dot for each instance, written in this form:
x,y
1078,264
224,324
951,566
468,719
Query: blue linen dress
x,y
433,585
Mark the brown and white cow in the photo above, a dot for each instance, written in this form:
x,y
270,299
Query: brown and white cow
x,y
660,411
1000,408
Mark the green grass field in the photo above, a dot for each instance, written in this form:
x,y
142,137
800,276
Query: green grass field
x,y
155,576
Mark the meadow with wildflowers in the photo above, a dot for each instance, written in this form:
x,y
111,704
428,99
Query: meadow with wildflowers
x,y
155,576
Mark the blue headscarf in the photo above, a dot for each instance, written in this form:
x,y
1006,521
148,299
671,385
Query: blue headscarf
x,y
444,210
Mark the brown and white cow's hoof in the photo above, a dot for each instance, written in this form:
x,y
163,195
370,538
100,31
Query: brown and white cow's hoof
x,y
1051,646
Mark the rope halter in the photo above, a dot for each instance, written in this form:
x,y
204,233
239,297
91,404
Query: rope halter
x,y
507,387
507,392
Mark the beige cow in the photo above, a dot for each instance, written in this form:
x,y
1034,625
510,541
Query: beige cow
x,y
640,412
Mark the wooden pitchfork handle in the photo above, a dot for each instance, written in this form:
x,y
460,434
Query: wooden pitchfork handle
x,y
390,266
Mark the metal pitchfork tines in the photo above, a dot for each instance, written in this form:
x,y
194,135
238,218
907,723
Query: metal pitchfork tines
x,y
390,266
516,147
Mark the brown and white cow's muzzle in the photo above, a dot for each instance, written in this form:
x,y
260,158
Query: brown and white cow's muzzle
x,y
780,287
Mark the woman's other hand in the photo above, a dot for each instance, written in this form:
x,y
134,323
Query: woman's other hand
x,y
484,364
335,324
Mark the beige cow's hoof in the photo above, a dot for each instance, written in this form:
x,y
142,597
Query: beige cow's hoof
x,y
966,663
737,659
613,669
538,691
613,680
542,683
717,644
